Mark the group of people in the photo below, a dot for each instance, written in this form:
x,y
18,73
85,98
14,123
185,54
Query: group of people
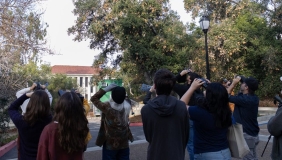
x,y
44,136
200,119
197,119
64,135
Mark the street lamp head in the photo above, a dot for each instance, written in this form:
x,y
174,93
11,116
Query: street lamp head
x,y
205,23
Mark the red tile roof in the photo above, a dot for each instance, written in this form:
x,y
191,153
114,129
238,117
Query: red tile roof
x,y
64,69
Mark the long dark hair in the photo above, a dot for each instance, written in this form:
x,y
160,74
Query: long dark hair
x,y
72,123
38,107
216,102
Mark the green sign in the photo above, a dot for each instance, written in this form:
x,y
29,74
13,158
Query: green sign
x,y
106,96
104,84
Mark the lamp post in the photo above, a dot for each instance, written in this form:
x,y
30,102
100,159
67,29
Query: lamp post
x,y
204,23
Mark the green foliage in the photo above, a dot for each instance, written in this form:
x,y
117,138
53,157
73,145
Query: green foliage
x,y
22,40
4,119
139,37
145,34
9,139
242,43
57,82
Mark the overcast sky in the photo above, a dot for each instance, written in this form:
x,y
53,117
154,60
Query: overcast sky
x,y
59,16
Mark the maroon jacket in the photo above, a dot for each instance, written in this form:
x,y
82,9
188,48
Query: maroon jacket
x,y
49,148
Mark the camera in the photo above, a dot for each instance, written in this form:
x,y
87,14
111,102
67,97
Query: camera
x,y
225,80
81,97
205,84
242,78
145,87
277,99
38,86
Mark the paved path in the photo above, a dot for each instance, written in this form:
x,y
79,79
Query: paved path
x,y
138,149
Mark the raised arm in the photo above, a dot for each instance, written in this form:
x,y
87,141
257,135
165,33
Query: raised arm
x,y
194,86
25,90
148,95
235,81
13,110
95,99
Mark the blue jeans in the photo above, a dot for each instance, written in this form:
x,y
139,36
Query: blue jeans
x,y
121,154
219,155
190,145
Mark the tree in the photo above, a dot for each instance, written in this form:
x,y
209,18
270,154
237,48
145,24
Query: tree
x,y
21,40
242,41
60,82
145,35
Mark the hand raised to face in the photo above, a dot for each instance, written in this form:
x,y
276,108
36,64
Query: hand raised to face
x,y
197,83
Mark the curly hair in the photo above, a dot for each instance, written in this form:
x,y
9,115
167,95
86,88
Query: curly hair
x,y
72,122
217,103
37,108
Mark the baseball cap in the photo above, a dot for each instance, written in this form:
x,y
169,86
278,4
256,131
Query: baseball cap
x,y
252,83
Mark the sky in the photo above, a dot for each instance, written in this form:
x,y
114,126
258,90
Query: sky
x,y
58,14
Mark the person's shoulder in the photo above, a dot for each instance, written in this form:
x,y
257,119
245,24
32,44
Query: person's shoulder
x,y
179,102
51,126
146,108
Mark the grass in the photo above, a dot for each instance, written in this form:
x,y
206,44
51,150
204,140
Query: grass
x,y
9,139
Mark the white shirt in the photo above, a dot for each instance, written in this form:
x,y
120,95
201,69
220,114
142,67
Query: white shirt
x,y
26,90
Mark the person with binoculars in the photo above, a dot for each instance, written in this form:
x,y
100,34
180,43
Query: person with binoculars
x,y
114,132
187,76
34,87
30,124
246,111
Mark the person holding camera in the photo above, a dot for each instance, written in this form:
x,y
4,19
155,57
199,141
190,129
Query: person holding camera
x,y
65,137
246,111
114,131
86,107
275,129
31,124
212,118
149,95
35,86
165,121
188,76
226,83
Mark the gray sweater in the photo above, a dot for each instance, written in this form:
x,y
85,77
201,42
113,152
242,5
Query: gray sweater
x,y
274,127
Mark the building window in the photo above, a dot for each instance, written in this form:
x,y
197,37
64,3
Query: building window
x,y
86,96
80,82
86,81
91,89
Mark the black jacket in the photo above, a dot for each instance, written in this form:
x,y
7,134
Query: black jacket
x,y
166,128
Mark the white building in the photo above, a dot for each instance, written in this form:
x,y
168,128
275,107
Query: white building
x,y
82,74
